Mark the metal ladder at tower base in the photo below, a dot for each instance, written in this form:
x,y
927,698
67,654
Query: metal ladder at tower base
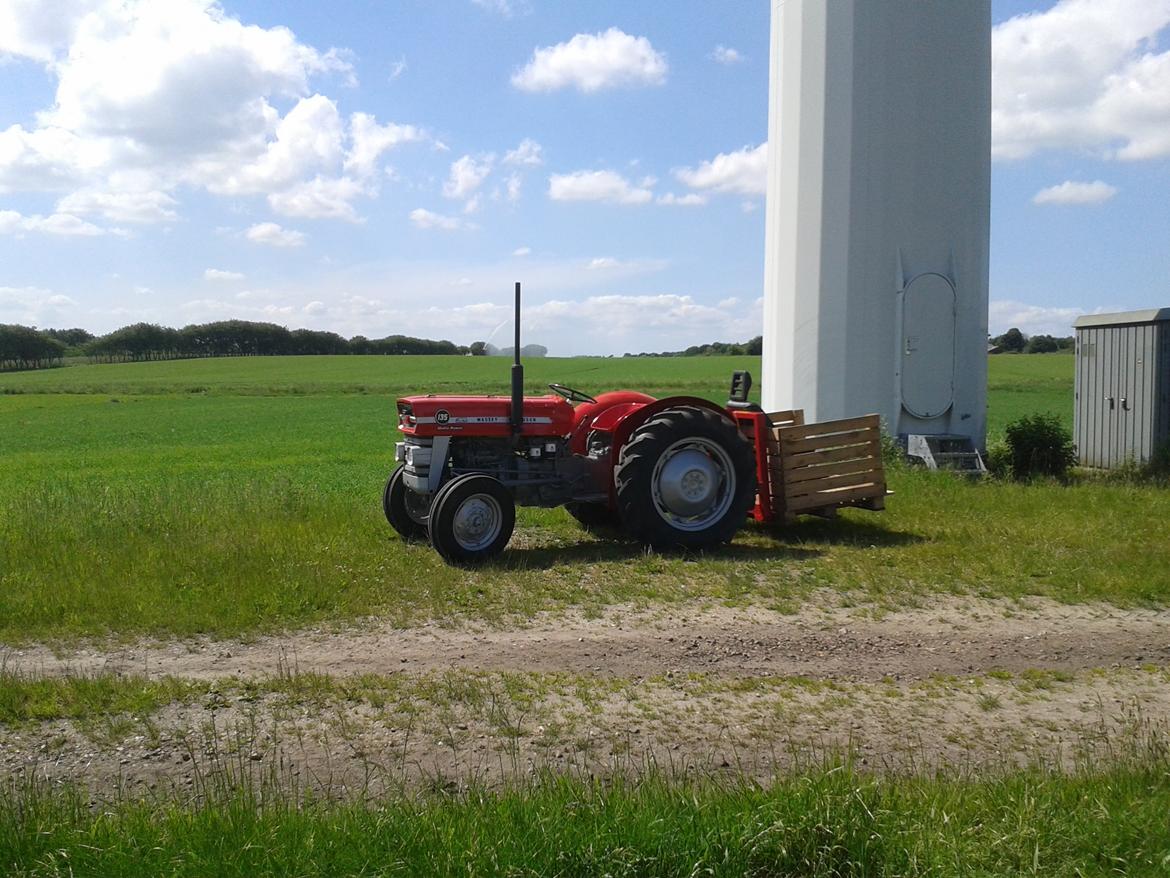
x,y
946,452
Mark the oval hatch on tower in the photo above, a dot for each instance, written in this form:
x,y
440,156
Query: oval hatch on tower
x,y
928,346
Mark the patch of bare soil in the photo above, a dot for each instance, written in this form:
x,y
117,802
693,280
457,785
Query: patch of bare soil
x,y
964,684
952,637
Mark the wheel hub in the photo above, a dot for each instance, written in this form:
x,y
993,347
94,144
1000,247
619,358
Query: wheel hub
x,y
688,483
477,522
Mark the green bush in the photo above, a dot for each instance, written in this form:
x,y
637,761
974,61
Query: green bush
x,y
999,459
1039,445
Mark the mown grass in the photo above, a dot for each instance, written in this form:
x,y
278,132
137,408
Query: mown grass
x,y
826,822
225,514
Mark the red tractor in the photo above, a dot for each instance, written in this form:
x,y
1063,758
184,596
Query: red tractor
x,y
679,472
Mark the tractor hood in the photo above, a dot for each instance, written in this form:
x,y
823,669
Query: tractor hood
x,y
433,415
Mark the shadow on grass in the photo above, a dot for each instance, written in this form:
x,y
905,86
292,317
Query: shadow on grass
x,y
837,532
620,548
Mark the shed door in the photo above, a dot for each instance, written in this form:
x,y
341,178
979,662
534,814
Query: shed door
x,y
928,346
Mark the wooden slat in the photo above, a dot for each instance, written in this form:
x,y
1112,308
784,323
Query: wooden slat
x,y
872,450
831,483
806,473
783,419
834,498
796,446
825,428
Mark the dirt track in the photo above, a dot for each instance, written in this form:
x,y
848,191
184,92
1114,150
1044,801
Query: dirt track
x,y
952,638
710,689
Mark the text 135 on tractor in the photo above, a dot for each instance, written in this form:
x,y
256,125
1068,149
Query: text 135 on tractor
x,y
679,472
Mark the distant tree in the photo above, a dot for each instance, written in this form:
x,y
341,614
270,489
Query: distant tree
x,y
73,338
23,347
1013,340
755,347
478,348
1041,344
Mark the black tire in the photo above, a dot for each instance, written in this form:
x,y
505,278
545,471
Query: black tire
x,y
397,500
594,516
472,519
685,480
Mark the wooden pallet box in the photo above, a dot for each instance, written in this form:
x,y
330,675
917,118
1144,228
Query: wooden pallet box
x,y
817,468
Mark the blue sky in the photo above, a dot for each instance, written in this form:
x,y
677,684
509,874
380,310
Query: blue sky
x,y
391,167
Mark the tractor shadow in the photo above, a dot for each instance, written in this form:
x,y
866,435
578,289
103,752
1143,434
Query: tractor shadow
x,y
805,540
807,532
618,548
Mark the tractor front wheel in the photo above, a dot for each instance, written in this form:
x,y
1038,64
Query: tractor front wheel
x,y
472,519
406,510
685,480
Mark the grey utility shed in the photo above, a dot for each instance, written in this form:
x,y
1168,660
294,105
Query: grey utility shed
x,y
1122,386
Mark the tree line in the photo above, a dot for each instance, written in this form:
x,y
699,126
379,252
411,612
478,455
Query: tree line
x,y
25,347
1015,342
752,348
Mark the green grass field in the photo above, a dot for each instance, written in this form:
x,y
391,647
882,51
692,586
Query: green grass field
x,y
231,497
130,507
827,823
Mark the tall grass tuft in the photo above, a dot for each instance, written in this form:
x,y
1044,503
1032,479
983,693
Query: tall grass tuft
x,y
829,822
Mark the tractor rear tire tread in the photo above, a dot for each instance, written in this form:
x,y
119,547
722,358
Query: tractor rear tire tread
x,y
594,517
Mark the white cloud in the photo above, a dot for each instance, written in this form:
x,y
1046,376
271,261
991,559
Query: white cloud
x,y
320,198
428,219
153,96
198,310
274,236
467,175
529,153
602,262
314,308
691,199
607,186
590,62
220,274
35,306
370,140
398,68
1083,75
626,316
12,222
1071,192
744,172
522,251
514,184
1003,314
506,8
126,206
726,56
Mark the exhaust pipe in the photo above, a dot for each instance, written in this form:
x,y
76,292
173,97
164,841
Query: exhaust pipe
x,y
517,375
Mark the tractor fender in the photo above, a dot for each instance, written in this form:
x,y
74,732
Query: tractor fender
x,y
632,420
604,414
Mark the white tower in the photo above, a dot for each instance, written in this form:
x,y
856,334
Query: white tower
x,y
878,212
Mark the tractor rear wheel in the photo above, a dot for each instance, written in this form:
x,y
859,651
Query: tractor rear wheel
x,y
472,519
405,510
685,479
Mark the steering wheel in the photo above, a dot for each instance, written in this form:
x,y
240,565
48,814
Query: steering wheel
x,y
570,394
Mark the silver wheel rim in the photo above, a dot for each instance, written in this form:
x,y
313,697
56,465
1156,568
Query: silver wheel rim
x,y
477,522
418,506
693,484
